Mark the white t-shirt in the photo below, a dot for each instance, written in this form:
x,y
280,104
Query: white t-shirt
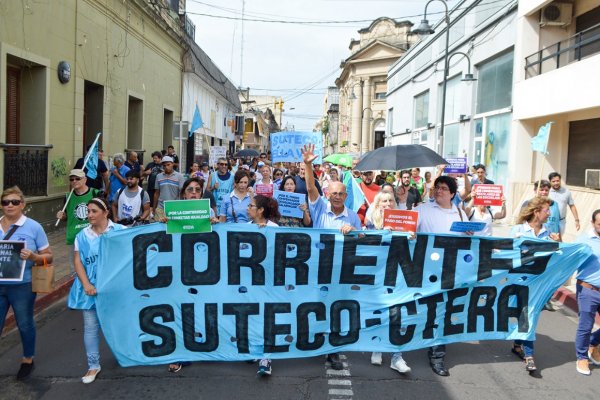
x,y
435,219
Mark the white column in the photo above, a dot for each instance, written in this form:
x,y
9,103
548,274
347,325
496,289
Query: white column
x,y
366,133
356,117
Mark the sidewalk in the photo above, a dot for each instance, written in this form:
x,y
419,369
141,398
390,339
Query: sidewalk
x,y
565,295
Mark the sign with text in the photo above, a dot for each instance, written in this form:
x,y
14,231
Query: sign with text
x,y
216,152
243,292
286,146
12,267
456,165
188,216
266,189
289,202
467,226
487,195
401,220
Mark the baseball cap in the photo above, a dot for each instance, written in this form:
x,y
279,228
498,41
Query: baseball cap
x,y
77,172
166,159
261,164
204,164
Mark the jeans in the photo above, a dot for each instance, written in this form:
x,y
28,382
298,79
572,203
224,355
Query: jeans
x,y
21,298
91,338
588,301
527,347
436,354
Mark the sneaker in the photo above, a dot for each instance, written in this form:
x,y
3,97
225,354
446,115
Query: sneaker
x,y
25,371
583,367
376,358
398,364
530,364
336,363
594,354
264,367
91,375
549,306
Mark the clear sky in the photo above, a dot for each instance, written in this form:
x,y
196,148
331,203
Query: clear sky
x,y
294,59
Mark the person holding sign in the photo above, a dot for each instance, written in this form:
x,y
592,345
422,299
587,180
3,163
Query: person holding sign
x,y
334,215
83,292
289,185
15,226
385,201
532,220
437,216
484,214
234,207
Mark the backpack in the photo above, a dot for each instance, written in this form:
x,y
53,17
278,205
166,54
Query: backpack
x,y
489,210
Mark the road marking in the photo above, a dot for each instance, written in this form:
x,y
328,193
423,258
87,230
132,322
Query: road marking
x,y
339,388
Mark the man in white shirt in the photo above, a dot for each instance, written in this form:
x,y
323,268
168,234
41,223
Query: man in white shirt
x,y
131,201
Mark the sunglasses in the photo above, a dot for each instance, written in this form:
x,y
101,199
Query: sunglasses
x,y
194,189
14,202
221,163
75,178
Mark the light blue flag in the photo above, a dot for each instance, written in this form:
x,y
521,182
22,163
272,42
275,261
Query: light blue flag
x,y
356,198
196,122
540,142
92,161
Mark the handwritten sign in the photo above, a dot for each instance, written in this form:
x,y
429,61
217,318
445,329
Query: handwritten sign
x,y
12,267
466,226
265,189
286,146
456,165
401,220
487,195
188,216
215,153
289,202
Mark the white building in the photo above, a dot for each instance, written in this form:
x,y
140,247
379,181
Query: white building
x,y
478,115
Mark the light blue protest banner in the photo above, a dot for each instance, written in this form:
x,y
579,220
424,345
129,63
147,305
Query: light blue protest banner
x,y
289,202
243,292
286,146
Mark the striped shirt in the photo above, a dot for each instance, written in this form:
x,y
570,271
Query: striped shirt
x,y
169,186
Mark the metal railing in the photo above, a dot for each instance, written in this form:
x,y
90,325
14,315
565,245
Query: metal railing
x,y
575,48
26,166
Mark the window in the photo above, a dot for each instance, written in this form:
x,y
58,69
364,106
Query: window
x,y
135,121
421,109
583,150
494,89
451,140
390,124
454,98
380,90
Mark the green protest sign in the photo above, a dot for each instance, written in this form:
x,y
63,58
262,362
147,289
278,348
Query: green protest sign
x,y
188,216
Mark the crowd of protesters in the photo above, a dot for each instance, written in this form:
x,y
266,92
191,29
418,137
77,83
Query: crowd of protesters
x,y
116,197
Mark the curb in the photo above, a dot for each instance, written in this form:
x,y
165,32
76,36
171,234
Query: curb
x,y
568,299
43,301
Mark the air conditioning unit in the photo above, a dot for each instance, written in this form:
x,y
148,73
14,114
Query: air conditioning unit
x,y
556,14
592,178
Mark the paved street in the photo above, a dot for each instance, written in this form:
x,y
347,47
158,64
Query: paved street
x,y
487,370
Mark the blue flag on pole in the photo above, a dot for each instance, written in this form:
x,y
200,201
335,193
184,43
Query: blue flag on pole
x,y
92,161
196,122
540,142
356,198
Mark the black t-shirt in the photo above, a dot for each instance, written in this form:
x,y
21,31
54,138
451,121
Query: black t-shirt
x,y
97,182
156,169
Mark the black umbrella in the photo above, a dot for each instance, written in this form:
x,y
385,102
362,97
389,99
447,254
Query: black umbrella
x,y
246,153
402,156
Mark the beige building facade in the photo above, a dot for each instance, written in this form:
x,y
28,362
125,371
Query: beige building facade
x,y
362,84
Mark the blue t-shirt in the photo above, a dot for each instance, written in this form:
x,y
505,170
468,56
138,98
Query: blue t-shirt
x,y
115,183
589,271
225,187
240,208
32,233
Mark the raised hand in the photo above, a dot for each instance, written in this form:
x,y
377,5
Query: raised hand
x,y
308,153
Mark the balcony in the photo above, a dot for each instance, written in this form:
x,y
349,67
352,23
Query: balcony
x,y
584,44
26,166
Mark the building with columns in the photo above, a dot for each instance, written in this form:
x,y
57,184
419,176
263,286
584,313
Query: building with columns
x,y
362,84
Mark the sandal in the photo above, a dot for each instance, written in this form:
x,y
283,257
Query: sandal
x,y
518,351
175,367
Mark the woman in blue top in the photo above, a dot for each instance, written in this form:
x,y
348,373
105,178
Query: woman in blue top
x,y
17,293
532,220
234,207
83,292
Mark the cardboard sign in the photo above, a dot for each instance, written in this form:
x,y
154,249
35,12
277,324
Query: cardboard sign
x,y
265,189
289,202
12,267
456,166
188,216
215,153
401,220
465,226
487,195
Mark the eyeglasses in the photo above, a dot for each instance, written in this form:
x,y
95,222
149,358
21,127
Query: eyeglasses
x,y
14,202
278,174
252,206
193,189
545,211
75,178
222,163
442,188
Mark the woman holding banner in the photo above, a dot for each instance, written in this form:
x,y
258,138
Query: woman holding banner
x,y
83,292
384,201
263,211
531,222
234,207
14,225
288,184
